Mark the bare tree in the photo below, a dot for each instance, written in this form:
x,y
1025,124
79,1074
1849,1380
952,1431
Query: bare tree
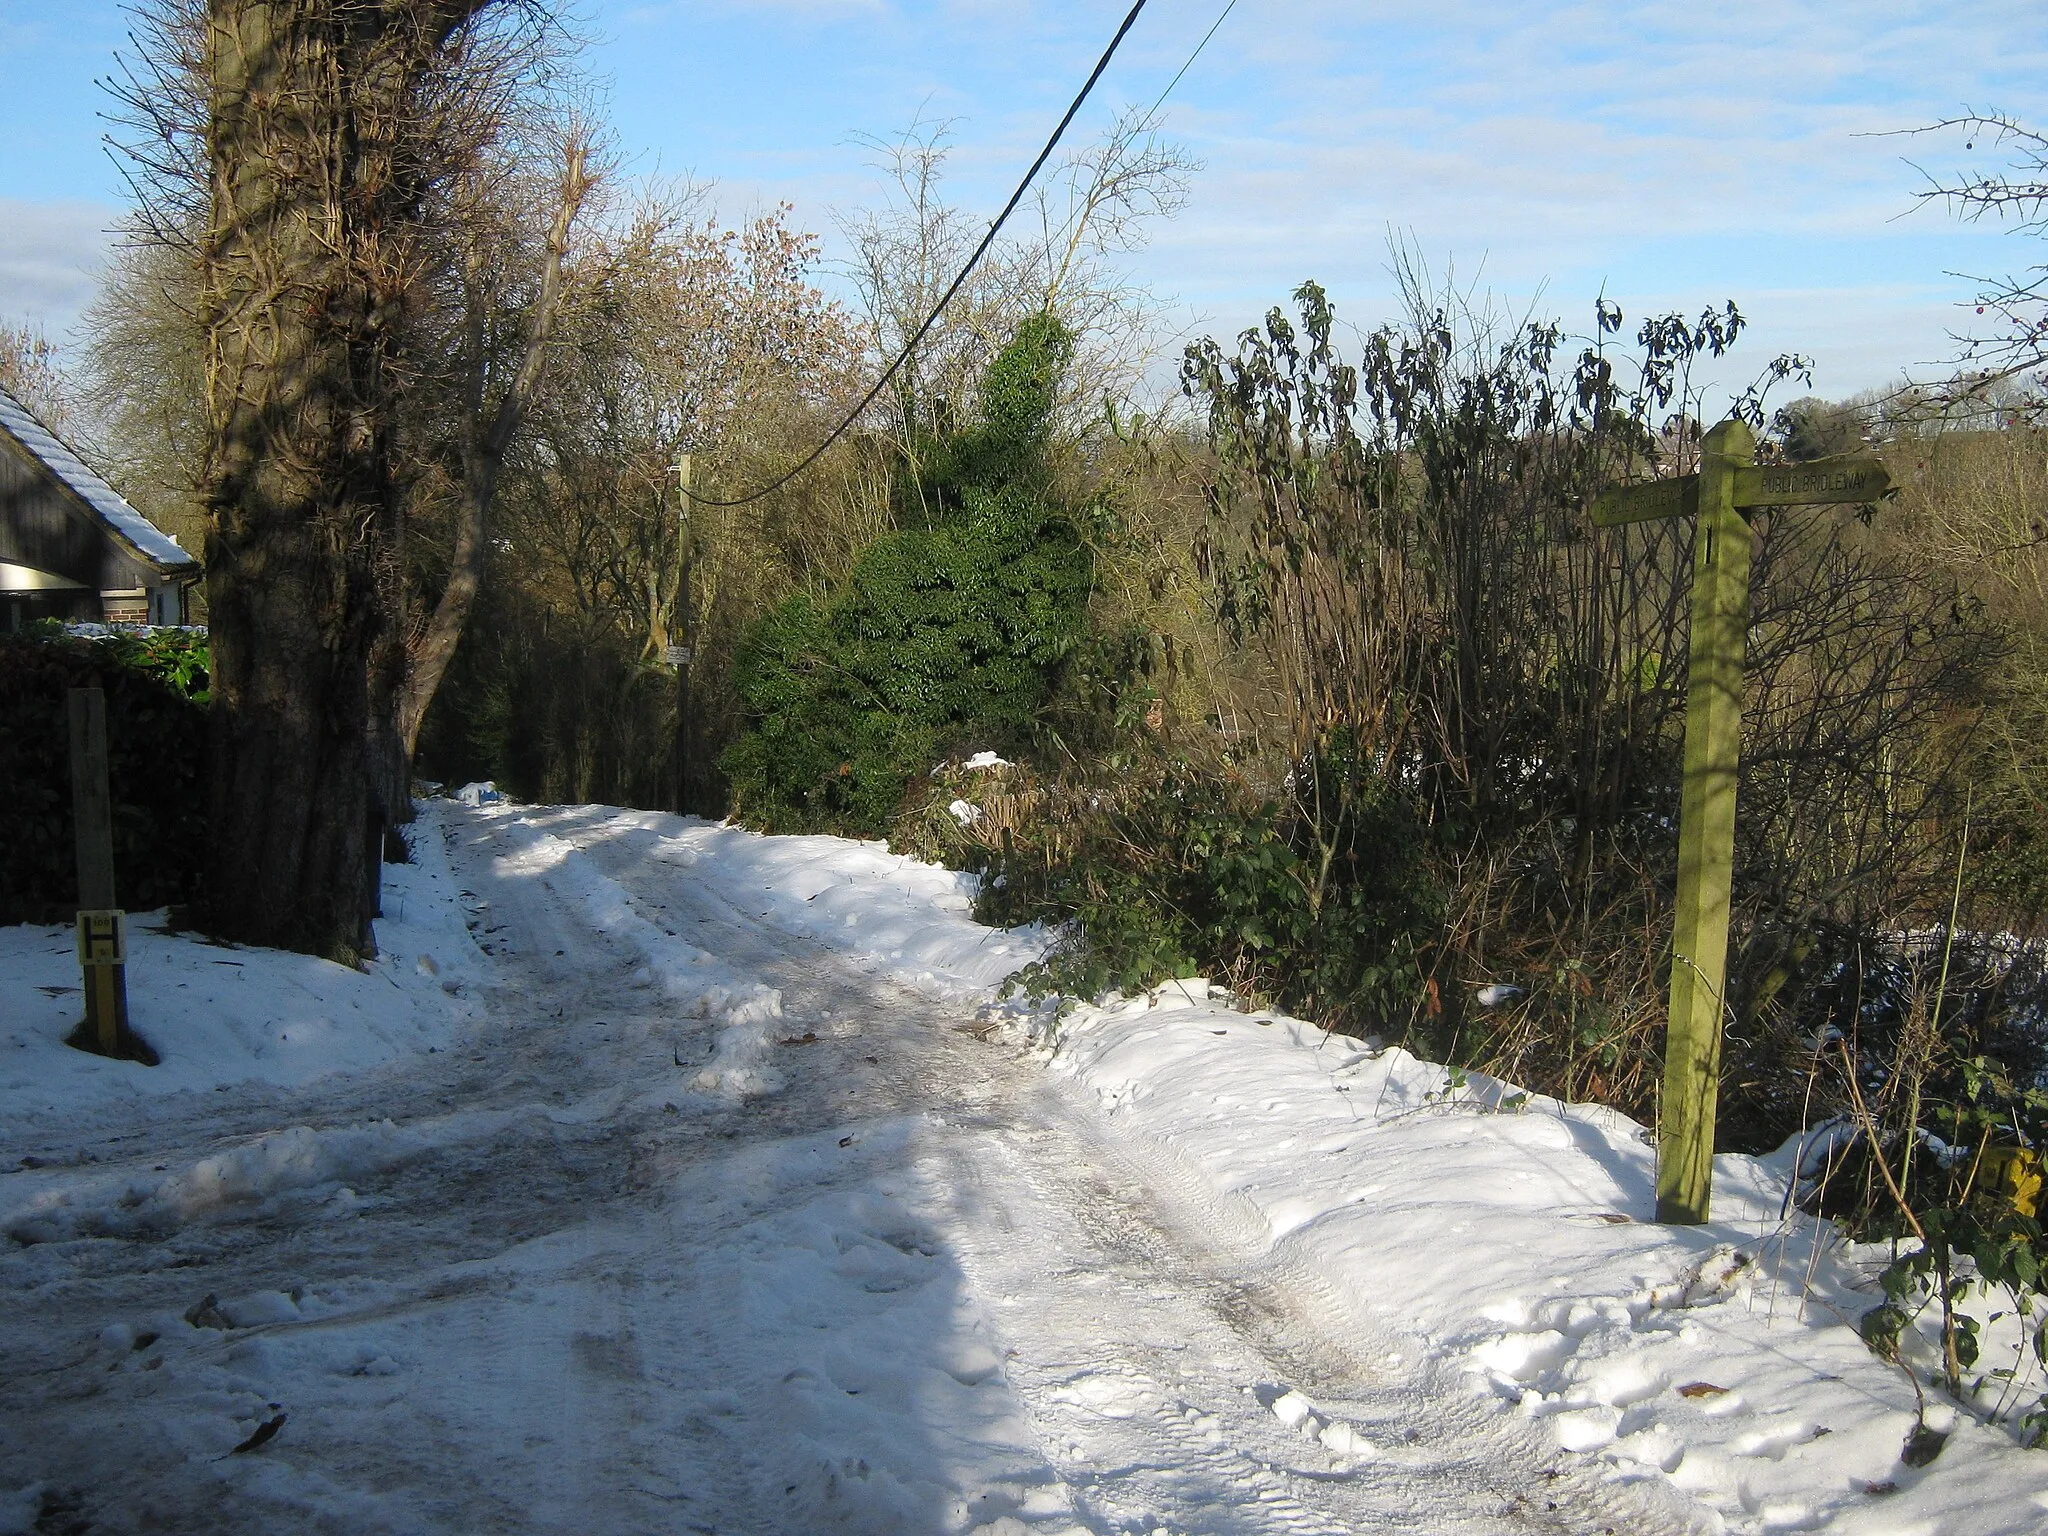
x,y
2013,346
316,147
29,371
496,362
904,256
682,337
1096,206
144,381
297,157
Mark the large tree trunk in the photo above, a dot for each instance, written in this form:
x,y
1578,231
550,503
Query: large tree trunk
x,y
305,268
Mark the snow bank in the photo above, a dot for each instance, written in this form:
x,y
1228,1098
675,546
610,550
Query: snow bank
x,y
887,912
302,1164
890,913
282,1162
221,1014
1509,1240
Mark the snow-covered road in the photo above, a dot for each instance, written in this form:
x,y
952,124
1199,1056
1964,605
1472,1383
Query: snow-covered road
x,y
663,1177
786,1246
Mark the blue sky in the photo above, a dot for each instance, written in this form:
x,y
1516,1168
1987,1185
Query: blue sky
x,y
1673,155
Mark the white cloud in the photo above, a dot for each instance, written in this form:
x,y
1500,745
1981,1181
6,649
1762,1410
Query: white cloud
x,y
50,256
1675,152
1679,153
1664,148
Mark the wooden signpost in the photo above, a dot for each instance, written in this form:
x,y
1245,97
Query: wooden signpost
x,y
102,927
1729,485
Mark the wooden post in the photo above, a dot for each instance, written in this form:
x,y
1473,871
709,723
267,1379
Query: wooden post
x,y
1706,830
1728,485
680,652
102,946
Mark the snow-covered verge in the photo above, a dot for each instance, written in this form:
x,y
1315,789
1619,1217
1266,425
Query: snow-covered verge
x,y
889,913
294,1167
221,1014
1510,1239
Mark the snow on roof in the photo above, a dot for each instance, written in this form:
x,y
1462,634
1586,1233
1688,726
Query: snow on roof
x,y
43,445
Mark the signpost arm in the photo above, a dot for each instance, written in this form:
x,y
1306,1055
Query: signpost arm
x,y
1706,830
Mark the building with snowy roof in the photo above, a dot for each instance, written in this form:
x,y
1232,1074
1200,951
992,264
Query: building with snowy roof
x,y
70,546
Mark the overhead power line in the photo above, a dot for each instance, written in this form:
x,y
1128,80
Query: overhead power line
x,y
1222,17
931,319
1151,117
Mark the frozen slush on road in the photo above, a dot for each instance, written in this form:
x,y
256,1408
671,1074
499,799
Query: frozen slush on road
x,y
661,1176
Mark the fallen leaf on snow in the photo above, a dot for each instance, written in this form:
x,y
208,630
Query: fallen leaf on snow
x,y
206,1313
1923,1445
265,1433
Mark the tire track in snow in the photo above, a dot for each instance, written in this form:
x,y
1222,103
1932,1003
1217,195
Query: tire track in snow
x,y
391,1313
1436,1433
1151,1470
1141,1434
1224,1357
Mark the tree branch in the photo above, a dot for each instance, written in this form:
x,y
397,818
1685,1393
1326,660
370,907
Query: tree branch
x,y
484,450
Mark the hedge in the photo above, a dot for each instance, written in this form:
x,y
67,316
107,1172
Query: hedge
x,y
156,688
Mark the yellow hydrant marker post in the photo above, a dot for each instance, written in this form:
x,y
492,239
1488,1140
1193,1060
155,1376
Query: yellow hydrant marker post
x,y
103,957
102,927
1729,484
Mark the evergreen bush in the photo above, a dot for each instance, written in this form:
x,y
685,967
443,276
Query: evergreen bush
x,y
954,626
